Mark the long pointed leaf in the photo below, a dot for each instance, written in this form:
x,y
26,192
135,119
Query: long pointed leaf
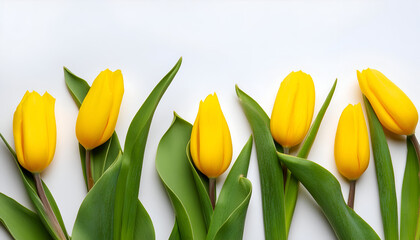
x,y
271,176
228,219
202,185
29,184
410,195
175,172
95,217
292,184
326,191
135,143
20,222
384,174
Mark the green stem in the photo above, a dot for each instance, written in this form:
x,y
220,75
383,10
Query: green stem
x,y
89,170
47,207
350,201
212,191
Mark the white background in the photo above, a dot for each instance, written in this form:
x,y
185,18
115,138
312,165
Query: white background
x,y
254,44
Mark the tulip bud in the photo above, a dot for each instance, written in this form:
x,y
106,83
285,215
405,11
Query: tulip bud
x,y
211,144
351,149
293,109
34,131
98,113
394,109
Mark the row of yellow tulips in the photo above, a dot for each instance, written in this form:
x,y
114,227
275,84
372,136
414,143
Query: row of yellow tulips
x,y
34,125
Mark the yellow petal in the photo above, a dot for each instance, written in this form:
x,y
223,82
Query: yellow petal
x,y
351,148
35,133
116,86
211,144
49,102
17,131
394,109
293,109
94,112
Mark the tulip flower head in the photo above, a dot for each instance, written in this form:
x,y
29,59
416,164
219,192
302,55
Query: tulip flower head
x,y
211,144
394,109
351,148
98,113
293,109
34,131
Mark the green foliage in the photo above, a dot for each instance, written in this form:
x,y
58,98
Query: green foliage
x,y
20,222
410,195
271,176
384,174
326,191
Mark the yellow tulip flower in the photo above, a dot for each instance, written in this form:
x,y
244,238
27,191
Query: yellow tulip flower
x,y
34,131
293,109
98,113
211,144
394,109
351,149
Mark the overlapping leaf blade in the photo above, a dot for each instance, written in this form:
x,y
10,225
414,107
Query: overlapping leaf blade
x,y
20,222
410,195
271,176
384,174
228,219
202,185
292,184
326,191
103,156
95,218
132,161
175,172
29,184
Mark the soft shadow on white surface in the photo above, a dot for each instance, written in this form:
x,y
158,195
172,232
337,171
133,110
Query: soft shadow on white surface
x,y
252,44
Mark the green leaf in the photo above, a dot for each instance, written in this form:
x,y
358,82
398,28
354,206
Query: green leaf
x,y
103,156
410,195
384,174
175,172
95,217
30,187
20,222
132,161
292,184
175,235
202,185
228,219
326,191
271,176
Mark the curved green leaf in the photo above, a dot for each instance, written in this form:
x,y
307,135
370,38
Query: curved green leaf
x,y
326,191
175,235
292,184
132,161
95,217
271,176
228,219
20,222
202,185
384,174
30,187
103,156
410,195
175,172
